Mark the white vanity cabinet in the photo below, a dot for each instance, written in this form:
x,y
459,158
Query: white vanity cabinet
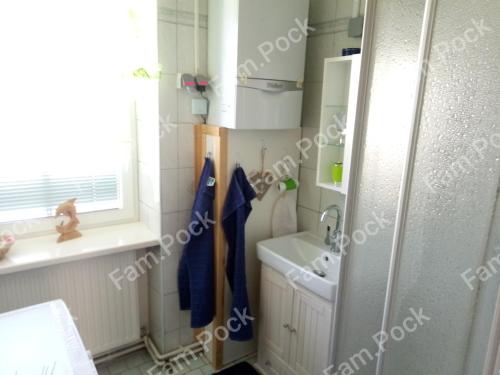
x,y
295,328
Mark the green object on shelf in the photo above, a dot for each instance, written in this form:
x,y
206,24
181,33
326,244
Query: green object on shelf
x,y
337,169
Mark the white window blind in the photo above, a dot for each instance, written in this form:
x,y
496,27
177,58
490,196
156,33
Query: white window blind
x,y
38,197
66,100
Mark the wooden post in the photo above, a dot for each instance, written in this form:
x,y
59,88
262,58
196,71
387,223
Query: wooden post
x,y
218,137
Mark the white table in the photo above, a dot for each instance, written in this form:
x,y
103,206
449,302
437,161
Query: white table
x,y
42,340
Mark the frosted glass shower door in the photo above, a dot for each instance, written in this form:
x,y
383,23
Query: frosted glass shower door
x,y
449,231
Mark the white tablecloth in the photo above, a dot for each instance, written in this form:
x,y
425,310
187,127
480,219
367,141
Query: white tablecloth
x,y
42,340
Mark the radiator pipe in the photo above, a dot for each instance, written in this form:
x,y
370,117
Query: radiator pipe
x,y
118,353
148,344
195,348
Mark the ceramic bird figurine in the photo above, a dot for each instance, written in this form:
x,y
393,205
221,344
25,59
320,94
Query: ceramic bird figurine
x,y
6,242
66,217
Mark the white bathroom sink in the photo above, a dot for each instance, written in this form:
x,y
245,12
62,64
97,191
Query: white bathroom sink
x,y
303,259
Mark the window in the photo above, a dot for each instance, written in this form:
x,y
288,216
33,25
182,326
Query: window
x,y
66,117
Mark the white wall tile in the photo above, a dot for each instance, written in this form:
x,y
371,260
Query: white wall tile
x,y
171,226
156,308
172,4
203,51
186,146
169,148
168,99
186,188
329,197
319,47
170,193
172,312
187,336
185,319
167,46
344,9
342,40
309,194
157,335
172,340
188,6
307,220
184,218
171,265
170,223
309,156
155,276
322,10
185,49
311,111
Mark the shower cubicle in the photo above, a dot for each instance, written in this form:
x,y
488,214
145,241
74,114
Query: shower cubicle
x,y
429,171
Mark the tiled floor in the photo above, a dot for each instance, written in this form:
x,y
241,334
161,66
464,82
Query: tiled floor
x,y
139,363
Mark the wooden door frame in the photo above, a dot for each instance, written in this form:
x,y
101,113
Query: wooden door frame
x,y
218,153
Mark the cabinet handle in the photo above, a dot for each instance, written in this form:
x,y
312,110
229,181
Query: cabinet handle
x,y
287,326
293,330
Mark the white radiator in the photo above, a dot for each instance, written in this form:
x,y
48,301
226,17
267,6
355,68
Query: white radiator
x,y
105,316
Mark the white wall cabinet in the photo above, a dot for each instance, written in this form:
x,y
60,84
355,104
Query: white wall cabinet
x,y
295,328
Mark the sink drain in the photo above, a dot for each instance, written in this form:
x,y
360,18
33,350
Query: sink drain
x,y
319,273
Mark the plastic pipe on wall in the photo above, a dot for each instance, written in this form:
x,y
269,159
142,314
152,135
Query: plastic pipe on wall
x,y
197,35
356,4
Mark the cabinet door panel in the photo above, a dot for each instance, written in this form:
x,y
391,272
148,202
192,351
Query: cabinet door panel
x,y
271,364
312,322
275,313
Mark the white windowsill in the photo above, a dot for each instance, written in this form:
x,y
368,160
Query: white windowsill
x,y
44,251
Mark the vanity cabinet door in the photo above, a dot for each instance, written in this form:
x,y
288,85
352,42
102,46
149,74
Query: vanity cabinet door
x,y
311,333
275,318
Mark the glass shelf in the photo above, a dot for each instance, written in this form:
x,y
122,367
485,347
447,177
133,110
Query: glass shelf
x,y
335,145
335,106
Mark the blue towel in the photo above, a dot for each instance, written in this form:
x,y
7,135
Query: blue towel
x,y
237,208
196,267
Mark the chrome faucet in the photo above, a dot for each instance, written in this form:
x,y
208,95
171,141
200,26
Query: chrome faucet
x,y
333,239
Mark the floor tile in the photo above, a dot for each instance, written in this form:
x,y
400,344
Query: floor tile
x,y
207,370
196,363
146,365
133,371
117,367
102,370
135,359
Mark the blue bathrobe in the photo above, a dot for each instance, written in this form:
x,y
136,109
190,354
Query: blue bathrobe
x,y
196,267
237,208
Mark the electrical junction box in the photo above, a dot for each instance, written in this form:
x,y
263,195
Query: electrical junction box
x,y
199,106
355,29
